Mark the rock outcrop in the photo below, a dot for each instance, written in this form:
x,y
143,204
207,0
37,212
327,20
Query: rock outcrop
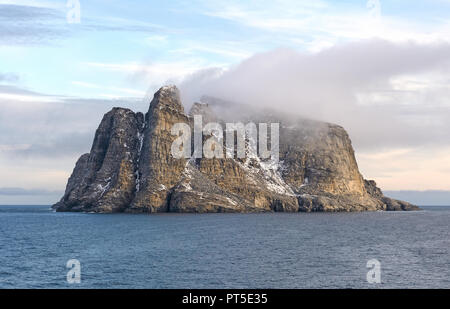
x,y
131,169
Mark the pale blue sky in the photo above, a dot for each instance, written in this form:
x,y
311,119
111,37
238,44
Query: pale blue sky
x,y
57,79
117,40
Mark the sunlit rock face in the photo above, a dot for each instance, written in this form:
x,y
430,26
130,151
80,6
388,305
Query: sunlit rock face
x,y
131,169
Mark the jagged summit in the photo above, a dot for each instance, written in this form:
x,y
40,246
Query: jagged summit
x,y
169,96
130,169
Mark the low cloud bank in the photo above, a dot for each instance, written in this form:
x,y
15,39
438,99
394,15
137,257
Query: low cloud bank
x,y
386,95
22,191
423,198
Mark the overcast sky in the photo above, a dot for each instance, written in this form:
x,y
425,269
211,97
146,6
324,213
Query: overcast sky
x,y
379,68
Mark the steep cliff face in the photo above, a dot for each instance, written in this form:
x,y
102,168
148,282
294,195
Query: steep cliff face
x,y
104,180
319,163
158,171
131,169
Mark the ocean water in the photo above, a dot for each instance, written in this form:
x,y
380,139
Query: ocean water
x,y
278,250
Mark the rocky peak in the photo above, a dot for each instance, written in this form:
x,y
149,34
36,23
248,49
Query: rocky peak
x,y
167,97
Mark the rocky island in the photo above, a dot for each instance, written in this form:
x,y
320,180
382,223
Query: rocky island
x,y
130,168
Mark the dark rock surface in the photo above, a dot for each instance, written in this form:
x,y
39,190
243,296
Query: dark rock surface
x,y
130,168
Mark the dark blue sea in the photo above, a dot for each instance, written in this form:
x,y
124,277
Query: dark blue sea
x,y
278,250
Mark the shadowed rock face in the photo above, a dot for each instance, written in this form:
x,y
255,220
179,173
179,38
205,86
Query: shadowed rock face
x,y
104,180
130,168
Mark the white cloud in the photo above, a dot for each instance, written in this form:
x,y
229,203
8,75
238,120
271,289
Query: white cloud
x,y
36,3
114,92
28,98
154,75
219,48
322,25
388,96
14,147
